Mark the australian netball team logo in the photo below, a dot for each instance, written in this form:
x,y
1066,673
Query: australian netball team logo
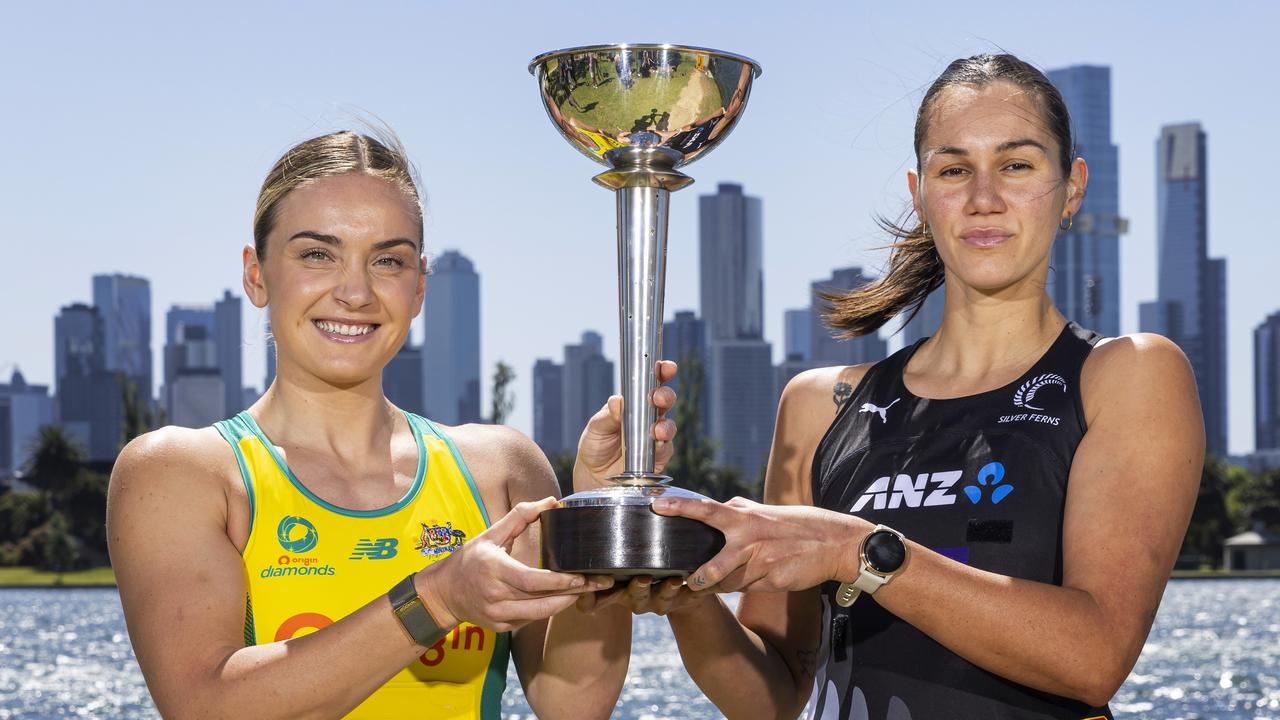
x,y
296,534
437,539
1027,393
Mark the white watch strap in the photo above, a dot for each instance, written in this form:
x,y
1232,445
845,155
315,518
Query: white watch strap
x,y
867,582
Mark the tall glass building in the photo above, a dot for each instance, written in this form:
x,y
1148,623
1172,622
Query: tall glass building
x,y
1085,279
451,341
730,264
124,304
1266,384
1191,307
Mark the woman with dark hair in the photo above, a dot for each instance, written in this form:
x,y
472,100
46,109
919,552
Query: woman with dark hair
x,y
982,524
325,554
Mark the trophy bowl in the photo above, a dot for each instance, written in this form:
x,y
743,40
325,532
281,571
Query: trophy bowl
x,y
643,111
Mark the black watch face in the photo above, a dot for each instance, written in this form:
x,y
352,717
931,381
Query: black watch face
x,y
885,552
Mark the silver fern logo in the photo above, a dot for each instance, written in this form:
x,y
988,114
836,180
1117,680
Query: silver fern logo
x,y
1027,393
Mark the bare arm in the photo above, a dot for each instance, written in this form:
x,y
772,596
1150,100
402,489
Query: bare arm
x,y
1132,487
183,590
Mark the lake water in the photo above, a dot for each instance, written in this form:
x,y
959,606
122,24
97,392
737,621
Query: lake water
x,y
1214,652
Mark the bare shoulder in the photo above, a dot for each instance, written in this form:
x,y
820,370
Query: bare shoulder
x,y
821,391
505,464
1141,367
172,457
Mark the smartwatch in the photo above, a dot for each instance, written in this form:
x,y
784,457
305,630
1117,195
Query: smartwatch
x,y
882,553
413,615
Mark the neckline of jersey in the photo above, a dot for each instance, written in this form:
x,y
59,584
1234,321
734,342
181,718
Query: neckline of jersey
x,y
902,371
409,496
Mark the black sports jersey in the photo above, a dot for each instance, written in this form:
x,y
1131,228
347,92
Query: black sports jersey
x,y
980,479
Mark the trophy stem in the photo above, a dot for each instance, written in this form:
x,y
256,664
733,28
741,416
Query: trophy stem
x,y
642,179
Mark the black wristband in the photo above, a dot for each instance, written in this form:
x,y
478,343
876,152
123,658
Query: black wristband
x,y
413,615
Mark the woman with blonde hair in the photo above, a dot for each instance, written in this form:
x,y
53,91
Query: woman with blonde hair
x,y
324,553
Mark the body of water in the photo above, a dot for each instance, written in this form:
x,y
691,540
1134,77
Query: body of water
x,y
1213,653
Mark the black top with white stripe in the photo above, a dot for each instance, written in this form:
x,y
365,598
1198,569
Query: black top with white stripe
x,y
980,479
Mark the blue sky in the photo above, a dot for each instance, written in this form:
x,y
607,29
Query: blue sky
x,y
138,135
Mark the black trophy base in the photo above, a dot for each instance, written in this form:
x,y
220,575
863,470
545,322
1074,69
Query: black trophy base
x,y
625,540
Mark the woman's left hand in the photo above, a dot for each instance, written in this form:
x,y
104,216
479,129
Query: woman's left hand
x,y
600,448
771,548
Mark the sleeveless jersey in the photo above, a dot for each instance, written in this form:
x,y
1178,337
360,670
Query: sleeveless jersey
x,y
309,563
980,479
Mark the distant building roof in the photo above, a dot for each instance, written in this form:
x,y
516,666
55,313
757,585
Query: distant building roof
x,y
1253,537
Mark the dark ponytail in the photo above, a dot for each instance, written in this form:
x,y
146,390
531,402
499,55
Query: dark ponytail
x,y
915,269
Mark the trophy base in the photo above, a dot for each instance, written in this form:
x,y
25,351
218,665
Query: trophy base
x,y
614,531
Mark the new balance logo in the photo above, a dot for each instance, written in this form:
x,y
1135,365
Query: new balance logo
x,y
1027,393
882,411
377,549
910,492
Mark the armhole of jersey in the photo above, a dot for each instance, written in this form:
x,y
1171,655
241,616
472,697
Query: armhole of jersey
x,y
434,430
826,435
232,430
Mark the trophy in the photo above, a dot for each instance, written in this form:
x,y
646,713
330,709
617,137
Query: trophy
x,y
643,111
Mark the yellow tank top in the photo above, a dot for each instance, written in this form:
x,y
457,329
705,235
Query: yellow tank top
x,y
309,563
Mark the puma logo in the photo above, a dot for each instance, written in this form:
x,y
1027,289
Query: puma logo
x,y
882,411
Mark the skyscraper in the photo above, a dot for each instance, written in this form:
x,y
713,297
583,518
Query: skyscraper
x,y
929,319
269,345
741,382
1085,280
1191,307
23,409
228,340
797,333
548,406
731,264
1266,383
402,378
124,304
451,341
824,348
588,383
189,333
684,340
89,401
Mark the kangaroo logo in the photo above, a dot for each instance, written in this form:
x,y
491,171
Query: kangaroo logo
x,y
991,474
1028,391
882,411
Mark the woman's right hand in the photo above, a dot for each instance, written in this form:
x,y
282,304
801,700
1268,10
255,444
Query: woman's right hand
x,y
482,584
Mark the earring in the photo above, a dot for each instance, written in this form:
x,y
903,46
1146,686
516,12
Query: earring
x,y
924,231
1065,223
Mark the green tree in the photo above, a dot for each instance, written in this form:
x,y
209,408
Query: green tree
x,y
502,399
56,549
1211,523
1254,499
55,460
692,464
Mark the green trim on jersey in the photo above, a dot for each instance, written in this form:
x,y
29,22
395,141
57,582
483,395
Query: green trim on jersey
x,y
495,679
462,465
409,496
232,430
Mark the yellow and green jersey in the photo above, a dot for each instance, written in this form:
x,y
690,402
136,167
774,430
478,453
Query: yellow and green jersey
x,y
309,563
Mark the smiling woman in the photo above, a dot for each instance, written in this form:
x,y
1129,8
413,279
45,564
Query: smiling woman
x,y
254,557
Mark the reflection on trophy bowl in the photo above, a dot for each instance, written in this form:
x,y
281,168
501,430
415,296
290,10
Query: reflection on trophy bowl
x,y
614,531
607,97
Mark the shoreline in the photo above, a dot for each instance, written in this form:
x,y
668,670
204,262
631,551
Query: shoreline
x,y
16,578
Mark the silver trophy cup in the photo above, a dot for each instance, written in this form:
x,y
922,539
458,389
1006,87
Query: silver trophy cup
x,y
643,111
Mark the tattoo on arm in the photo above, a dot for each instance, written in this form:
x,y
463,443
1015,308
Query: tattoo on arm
x,y
841,393
807,663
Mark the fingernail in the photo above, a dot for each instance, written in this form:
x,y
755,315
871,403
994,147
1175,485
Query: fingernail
x,y
663,503
579,581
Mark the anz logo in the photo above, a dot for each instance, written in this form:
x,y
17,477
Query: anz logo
x,y
933,489
923,490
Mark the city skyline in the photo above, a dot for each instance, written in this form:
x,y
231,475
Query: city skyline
x,y
165,176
